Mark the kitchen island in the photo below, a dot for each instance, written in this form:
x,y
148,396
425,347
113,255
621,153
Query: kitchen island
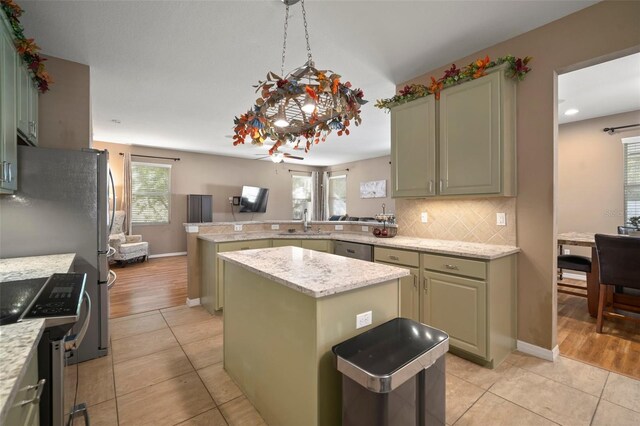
x,y
284,308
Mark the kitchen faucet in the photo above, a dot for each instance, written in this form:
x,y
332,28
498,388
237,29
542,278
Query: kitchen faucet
x,y
305,223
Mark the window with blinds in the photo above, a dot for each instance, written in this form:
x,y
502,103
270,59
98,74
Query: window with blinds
x,y
150,193
302,195
631,180
338,195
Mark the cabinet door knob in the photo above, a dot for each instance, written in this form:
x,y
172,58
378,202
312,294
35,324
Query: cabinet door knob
x,y
3,175
431,186
440,185
9,173
424,283
452,267
394,258
415,281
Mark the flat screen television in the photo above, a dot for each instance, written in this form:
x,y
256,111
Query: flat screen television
x,y
254,199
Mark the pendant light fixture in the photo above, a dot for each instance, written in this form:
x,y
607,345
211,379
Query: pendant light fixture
x,y
302,107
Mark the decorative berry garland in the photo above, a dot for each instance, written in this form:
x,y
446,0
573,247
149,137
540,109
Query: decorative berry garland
x,y
517,69
27,48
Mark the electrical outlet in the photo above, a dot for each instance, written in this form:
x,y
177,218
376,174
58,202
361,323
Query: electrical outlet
x,y
501,219
275,227
339,227
424,217
231,200
237,227
365,229
364,319
566,251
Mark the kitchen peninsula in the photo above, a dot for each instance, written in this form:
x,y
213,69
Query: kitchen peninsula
x,y
284,309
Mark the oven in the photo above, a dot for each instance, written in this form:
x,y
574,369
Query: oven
x,y
63,302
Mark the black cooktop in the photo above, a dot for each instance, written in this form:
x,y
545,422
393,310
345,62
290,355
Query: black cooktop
x,y
15,297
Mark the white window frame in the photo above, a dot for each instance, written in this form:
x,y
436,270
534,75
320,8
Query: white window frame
x,y
631,147
330,194
309,200
168,193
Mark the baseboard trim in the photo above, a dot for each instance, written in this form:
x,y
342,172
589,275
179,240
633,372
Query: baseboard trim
x,y
537,351
178,253
574,276
193,302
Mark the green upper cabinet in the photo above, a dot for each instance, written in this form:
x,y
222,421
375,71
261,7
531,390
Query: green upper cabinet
x,y
8,135
27,106
465,142
413,149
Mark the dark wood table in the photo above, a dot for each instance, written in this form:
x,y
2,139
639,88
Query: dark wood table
x,y
587,239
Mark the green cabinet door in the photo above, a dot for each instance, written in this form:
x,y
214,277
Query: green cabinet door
x,y
413,149
284,242
459,307
317,245
23,98
21,412
470,137
8,135
409,297
33,113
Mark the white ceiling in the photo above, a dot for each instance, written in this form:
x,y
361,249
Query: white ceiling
x,y
176,73
605,89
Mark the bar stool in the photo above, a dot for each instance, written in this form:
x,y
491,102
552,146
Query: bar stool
x,y
574,263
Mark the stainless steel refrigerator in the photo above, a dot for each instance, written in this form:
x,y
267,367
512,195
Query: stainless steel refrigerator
x,y
62,206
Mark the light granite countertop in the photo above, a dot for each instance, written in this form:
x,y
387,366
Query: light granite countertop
x,y
448,247
18,343
25,268
313,273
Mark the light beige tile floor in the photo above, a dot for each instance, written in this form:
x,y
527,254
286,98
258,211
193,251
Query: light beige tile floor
x,y
165,368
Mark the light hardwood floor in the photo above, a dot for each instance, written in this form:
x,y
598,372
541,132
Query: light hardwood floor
x,y
616,349
155,284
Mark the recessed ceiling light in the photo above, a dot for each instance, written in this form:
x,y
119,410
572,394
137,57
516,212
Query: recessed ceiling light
x,y
571,111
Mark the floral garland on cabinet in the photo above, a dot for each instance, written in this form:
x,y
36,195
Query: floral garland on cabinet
x,y
517,69
26,47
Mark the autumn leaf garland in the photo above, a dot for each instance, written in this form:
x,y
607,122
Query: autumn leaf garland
x,y
26,47
517,69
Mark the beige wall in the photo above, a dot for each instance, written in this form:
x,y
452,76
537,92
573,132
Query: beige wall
x,y
64,112
590,174
219,176
365,171
589,36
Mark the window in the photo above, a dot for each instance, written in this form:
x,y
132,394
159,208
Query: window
x,y
302,194
338,195
631,180
150,193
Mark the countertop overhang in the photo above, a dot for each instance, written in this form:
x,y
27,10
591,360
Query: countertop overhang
x,y
447,247
313,273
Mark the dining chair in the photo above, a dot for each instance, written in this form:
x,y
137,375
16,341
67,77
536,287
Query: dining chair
x,y
619,258
572,262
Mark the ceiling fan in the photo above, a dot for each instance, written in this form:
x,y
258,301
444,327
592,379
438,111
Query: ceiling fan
x,y
278,157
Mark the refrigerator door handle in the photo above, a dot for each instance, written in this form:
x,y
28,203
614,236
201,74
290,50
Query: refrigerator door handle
x,y
112,279
113,197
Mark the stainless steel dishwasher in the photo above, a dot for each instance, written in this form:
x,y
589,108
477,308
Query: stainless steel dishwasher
x,y
354,250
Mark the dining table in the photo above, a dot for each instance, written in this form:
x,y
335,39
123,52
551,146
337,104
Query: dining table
x,y
587,239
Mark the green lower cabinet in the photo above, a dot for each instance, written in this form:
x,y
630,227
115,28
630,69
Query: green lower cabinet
x,y
324,246
409,293
458,306
285,242
25,410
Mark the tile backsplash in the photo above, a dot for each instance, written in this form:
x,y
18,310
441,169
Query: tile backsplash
x,y
462,220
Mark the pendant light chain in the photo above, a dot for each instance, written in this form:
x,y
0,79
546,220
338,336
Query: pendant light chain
x,y
306,32
284,43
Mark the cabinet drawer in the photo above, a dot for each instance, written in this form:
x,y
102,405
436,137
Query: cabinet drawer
x,y
243,245
399,257
455,265
317,245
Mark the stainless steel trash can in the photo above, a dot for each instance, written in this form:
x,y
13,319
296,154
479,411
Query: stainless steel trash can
x,y
394,374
